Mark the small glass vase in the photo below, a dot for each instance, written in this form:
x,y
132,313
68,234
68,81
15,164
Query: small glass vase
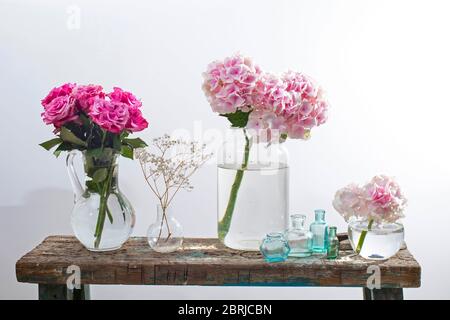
x,y
102,217
319,229
275,247
381,242
333,243
299,239
166,234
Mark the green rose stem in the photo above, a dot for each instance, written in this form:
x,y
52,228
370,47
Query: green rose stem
x,y
103,208
362,237
224,224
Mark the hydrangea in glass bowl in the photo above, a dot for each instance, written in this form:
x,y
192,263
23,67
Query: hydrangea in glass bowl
x,y
373,211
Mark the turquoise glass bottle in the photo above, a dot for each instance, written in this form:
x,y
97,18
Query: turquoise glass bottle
x,y
275,247
319,230
299,239
333,244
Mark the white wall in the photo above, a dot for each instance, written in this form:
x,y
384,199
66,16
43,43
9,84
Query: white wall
x,y
385,65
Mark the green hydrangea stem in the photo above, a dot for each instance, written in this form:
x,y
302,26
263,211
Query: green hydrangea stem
x,y
224,224
362,237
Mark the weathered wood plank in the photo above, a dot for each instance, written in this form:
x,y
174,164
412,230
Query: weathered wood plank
x,y
206,262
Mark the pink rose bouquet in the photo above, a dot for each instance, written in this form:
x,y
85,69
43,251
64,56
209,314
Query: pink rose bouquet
x,y
98,124
380,200
291,104
86,118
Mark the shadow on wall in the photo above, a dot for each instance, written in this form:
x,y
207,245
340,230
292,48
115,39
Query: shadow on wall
x,y
43,212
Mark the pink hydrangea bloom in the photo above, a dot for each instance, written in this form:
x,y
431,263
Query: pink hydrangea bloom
x,y
112,116
59,111
126,97
385,200
308,108
229,84
86,94
292,104
349,202
136,122
299,83
269,100
259,120
381,200
271,94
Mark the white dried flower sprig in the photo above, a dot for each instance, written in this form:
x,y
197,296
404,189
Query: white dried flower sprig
x,y
168,164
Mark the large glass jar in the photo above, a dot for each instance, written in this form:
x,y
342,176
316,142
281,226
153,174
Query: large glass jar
x,y
253,187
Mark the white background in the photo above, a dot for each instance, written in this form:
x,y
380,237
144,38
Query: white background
x,y
385,65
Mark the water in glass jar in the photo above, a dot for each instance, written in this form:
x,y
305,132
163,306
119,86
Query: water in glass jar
x,y
261,205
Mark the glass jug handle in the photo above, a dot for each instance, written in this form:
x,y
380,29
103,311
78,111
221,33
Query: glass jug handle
x,y
74,181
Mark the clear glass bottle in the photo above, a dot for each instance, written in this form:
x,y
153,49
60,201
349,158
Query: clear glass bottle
x,y
319,229
299,239
102,217
166,234
253,187
275,247
333,244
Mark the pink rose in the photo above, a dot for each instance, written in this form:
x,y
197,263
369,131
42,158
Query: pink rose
x,y
64,90
59,111
110,115
86,94
125,97
136,121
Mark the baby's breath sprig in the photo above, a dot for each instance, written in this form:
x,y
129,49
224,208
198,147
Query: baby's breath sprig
x,y
168,164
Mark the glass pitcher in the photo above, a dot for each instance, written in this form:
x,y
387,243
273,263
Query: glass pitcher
x,y
102,217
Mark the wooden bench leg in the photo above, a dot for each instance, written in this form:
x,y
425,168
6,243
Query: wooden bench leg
x,y
61,292
383,294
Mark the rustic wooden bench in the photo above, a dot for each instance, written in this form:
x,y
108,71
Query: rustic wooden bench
x,y
205,262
